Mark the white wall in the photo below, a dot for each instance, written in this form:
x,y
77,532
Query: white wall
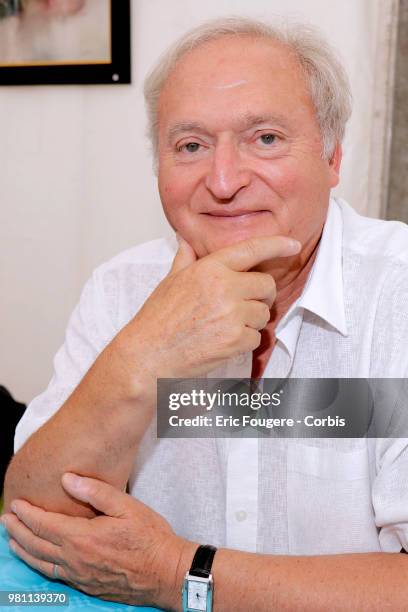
x,y
76,182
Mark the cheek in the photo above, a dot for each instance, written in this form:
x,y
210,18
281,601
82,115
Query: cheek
x,y
175,195
172,196
176,184
284,176
167,188
302,195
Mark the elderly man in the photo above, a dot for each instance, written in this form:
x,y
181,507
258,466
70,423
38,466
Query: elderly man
x,y
271,276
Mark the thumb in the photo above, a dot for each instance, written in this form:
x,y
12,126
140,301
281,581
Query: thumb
x,y
101,495
184,256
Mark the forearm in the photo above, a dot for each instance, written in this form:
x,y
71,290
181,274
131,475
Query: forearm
x,y
365,582
95,433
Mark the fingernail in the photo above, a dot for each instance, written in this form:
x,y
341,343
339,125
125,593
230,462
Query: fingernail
x,y
73,480
14,507
295,246
3,520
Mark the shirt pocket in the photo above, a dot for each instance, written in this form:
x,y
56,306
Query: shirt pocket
x,y
329,499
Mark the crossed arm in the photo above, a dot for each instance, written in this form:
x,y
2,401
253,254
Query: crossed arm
x,y
203,313
130,554
112,545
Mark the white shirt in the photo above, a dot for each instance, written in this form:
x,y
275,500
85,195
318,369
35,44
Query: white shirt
x,y
270,495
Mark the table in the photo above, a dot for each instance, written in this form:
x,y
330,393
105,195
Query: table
x,y
15,575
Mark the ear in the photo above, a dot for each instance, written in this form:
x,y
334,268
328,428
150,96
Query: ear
x,y
334,165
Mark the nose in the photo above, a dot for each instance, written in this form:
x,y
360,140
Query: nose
x,y
227,174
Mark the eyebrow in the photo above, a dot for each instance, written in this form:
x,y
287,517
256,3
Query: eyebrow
x,y
244,123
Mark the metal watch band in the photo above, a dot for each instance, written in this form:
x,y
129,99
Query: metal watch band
x,y
203,560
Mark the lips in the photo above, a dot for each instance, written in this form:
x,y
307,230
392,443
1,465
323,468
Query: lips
x,y
234,213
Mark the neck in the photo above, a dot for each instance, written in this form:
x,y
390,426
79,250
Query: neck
x,y
289,283
290,278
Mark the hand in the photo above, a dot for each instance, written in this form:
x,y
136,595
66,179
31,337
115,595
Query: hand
x,y
205,311
129,554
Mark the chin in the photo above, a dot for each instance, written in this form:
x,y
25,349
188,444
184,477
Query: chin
x,y
217,245
220,242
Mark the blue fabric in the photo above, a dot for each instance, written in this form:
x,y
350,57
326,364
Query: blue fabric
x,y
17,576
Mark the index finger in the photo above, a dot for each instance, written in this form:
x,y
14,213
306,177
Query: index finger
x,y
46,525
247,254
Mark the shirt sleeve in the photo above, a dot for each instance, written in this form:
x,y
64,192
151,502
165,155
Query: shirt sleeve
x,y
390,494
89,330
390,486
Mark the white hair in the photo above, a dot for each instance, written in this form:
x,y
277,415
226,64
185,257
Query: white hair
x,y
326,78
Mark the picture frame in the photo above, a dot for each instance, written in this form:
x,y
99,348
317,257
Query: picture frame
x,y
110,64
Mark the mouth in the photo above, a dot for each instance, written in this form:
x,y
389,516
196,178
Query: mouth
x,y
235,214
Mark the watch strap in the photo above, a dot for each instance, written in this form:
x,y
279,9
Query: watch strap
x,y
203,560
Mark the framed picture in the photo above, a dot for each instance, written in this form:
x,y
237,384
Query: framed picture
x,y
51,42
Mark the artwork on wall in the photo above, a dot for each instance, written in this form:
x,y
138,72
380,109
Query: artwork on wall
x,y
64,41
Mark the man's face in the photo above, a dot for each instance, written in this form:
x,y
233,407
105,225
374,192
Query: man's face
x,y
240,147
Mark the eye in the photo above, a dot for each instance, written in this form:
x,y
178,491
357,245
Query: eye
x,y
268,139
189,147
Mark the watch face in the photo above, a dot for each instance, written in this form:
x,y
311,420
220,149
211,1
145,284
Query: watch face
x,y
197,595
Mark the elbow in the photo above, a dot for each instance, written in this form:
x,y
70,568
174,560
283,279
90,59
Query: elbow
x,y
9,490
16,481
42,490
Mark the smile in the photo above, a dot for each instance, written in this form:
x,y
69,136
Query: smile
x,y
237,214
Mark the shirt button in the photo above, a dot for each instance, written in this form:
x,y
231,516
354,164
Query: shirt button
x,y
241,515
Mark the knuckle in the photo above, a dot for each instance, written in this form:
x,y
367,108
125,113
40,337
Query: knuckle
x,y
266,315
253,339
29,548
77,567
257,339
36,528
78,546
234,334
270,284
265,311
223,309
202,266
83,542
229,310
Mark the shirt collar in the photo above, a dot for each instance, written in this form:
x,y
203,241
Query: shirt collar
x,y
323,293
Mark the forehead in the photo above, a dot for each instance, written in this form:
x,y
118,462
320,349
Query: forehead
x,y
235,73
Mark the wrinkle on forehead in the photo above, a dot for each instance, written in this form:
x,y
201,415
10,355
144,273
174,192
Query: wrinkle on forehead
x,y
231,85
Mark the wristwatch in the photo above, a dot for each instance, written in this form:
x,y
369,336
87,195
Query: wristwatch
x,y
198,586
